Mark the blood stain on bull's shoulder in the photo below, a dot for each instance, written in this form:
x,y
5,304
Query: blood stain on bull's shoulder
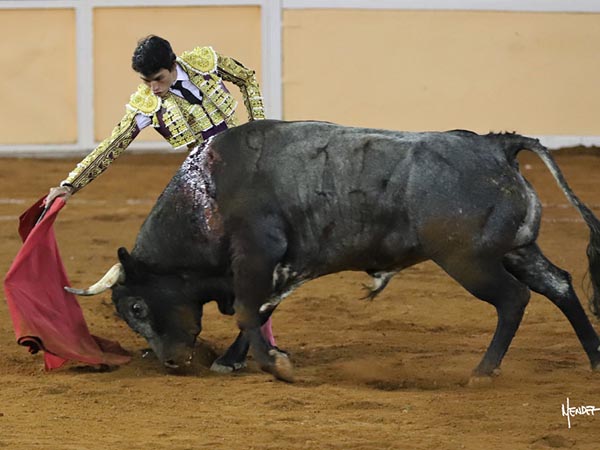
x,y
199,185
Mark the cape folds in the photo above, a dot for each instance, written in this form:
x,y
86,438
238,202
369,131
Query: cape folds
x,y
45,316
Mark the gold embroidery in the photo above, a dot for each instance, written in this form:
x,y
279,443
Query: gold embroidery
x,y
144,101
109,150
202,60
244,78
175,121
221,99
231,121
199,121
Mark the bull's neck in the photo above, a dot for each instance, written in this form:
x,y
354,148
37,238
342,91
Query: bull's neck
x,y
177,233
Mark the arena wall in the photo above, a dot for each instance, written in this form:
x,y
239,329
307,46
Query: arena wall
x,y
417,70
38,81
525,66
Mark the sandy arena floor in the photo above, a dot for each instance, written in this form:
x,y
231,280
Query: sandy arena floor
x,y
386,374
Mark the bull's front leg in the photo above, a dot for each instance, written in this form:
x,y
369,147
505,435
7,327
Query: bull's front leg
x,y
235,357
257,247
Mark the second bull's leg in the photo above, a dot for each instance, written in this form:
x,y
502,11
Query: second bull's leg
x,y
235,357
257,247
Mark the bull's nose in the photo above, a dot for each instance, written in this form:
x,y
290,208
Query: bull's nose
x,y
170,364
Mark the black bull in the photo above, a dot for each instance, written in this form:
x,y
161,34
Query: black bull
x,y
268,205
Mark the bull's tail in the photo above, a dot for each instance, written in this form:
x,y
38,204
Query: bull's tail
x,y
517,143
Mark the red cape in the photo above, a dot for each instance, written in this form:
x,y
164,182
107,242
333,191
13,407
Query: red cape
x,y
44,315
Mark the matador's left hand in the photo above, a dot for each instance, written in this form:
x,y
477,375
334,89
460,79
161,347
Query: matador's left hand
x,y
59,191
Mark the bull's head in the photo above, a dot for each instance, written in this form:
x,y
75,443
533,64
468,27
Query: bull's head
x,y
165,308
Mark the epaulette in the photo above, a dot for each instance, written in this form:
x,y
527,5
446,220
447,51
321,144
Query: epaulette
x,y
144,101
202,60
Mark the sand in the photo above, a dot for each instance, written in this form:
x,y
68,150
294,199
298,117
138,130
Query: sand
x,y
392,373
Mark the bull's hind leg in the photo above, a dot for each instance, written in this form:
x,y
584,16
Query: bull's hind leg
x,y
257,247
530,266
488,280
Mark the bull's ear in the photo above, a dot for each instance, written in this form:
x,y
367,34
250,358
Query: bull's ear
x,y
127,261
226,306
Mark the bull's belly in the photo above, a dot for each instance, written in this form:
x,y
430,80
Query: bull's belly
x,y
290,274
392,253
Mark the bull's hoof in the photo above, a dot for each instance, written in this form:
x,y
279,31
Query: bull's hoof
x,y
221,367
282,367
482,380
477,381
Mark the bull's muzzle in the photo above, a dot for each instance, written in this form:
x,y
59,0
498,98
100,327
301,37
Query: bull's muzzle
x,y
179,363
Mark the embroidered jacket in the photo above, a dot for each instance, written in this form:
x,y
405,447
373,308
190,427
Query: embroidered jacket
x,y
181,123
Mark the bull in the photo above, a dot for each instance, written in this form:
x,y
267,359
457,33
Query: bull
x,y
264,207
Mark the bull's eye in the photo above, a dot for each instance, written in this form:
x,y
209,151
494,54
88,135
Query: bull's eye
x,y
138,310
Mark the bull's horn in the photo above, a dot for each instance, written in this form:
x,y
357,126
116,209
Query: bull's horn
x,y
115,275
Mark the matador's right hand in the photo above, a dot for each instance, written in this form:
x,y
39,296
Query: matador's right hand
x,y
59,191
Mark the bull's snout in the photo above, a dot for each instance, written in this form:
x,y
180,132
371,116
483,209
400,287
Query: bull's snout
x,y
179,363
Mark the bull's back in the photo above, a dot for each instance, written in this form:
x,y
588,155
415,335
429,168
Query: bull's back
x,y
363,198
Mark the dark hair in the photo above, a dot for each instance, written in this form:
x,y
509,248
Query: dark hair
x,y
152,54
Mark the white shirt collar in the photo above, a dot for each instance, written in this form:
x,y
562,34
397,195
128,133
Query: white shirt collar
x,y
181,74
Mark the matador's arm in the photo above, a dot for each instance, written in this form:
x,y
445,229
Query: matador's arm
x,y
99,159
231,70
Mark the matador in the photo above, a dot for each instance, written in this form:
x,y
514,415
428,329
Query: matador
x,y
182,97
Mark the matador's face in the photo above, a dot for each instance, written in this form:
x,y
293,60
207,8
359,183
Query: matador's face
x,y
161,81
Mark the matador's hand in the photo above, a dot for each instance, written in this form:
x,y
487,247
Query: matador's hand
x,y
60,191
